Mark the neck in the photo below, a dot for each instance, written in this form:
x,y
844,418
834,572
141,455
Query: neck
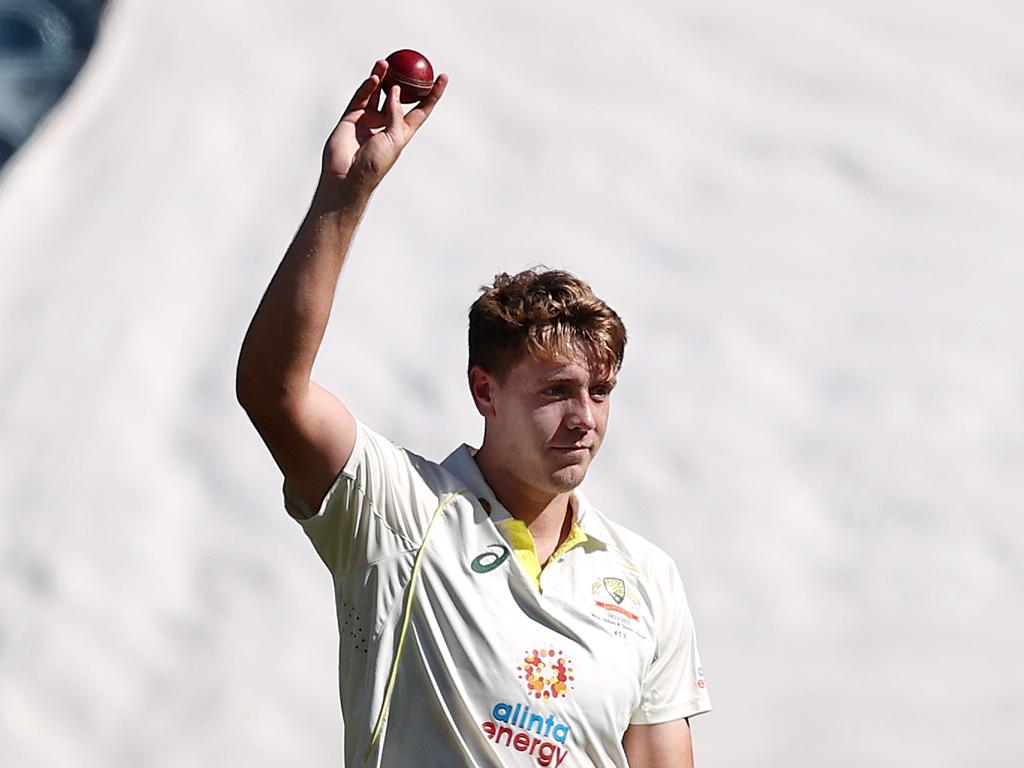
x,y
545,514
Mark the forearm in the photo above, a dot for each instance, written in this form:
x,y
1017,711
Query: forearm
x,y
285,333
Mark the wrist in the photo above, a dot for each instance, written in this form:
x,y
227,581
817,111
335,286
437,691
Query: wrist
x,y
341,195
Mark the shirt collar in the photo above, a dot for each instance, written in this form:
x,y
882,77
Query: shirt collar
x,y
461,463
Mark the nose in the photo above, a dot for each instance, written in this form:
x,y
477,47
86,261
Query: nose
x,y
581,414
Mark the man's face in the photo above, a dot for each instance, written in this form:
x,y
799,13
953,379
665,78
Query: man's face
x,y
547,420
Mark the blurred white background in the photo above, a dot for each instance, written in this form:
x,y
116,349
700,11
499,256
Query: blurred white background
x,y
809,216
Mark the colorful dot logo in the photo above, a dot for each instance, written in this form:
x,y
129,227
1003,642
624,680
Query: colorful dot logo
x,y
548,674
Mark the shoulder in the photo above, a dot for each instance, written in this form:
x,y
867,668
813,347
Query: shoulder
x,y
636,550
651,570
380,455
382,474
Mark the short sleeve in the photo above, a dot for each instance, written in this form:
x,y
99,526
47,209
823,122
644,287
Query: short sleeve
x,y
377,507
674,685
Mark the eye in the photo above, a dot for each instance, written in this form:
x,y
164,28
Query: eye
x,y
601,391
557,391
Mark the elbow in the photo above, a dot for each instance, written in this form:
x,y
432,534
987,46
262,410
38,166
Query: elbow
x,y
260,394
244,393
257,396
253,391
246,385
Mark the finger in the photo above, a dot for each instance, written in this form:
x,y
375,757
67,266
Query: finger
x,y
363,95
422,110
380,68
393,112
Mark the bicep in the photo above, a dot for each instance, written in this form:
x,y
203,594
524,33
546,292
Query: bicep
x,y
311,439
661,745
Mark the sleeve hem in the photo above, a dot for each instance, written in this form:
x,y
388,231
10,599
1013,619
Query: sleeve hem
x,y
299,509
655,715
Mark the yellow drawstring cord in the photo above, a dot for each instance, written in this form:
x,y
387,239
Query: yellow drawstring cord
x,y
410,589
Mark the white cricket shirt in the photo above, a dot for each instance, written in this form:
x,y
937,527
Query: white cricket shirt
x,y
492,671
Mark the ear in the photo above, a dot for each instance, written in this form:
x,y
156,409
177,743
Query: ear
x,y
481,386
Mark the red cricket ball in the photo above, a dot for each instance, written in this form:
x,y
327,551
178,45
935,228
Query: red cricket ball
x,y
411,72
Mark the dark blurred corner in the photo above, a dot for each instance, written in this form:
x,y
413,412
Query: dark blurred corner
x,y
43,44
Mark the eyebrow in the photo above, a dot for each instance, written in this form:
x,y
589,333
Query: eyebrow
x,y
559,378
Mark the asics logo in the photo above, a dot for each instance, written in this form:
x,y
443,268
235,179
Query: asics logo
x,y
486,562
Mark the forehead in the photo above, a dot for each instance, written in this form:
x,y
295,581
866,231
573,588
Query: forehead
x,y
582,367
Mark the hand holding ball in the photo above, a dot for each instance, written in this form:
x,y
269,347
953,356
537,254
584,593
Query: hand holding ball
x,y
411,72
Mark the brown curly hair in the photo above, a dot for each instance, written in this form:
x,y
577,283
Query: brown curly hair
x,y
546,313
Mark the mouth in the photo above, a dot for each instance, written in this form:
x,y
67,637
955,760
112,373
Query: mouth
x,y
571,450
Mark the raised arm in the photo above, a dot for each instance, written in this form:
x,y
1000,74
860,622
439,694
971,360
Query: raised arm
x,y
310,432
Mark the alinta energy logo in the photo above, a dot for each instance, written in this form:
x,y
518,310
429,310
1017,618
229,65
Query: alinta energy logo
x,y
549,677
